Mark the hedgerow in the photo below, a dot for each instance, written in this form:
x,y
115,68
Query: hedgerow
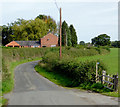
x,y
78,71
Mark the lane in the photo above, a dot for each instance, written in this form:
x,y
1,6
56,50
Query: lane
x,y
33,89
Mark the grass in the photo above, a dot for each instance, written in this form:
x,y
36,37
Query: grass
x,y
56,78
110,60
8,85
62,80
112,94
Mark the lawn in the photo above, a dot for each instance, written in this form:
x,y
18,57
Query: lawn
x,y
110,60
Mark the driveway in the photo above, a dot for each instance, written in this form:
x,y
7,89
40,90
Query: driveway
x,y
32,89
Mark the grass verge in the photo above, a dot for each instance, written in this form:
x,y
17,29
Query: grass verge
x,y
8,85
56,78
62,80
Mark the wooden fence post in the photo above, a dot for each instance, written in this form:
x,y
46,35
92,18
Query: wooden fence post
x,y
108,78
96,72
104,73
115,81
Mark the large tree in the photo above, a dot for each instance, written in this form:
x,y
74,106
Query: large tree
x,y
73,36
51,24
6,32
66,36
101,40
24,30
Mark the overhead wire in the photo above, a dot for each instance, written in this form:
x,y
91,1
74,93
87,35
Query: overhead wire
x,y
56,5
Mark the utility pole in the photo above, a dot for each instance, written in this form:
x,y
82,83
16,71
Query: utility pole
x,y
60,54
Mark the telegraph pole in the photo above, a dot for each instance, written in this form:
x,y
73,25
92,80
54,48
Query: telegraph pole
x,y
60,54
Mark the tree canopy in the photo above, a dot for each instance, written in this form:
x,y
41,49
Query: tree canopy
x,y
66,36
115,44
73,35
82,43
28,29
101,40
51,24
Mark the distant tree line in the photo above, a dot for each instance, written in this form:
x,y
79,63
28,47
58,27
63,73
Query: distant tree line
x,y
115,44
102,40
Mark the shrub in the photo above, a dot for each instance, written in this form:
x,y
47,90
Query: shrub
x,y
79,72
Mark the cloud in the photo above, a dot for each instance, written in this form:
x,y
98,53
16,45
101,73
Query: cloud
x,y
105,11
60,1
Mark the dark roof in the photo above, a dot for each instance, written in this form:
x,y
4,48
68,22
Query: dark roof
x,y
28,43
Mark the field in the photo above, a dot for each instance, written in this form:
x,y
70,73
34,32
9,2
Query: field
x,y
110,60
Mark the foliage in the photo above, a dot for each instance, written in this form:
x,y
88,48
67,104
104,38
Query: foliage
x,y
64,81
76,74
28,29
66,36
55,77
51,24
115,44
82,43
101,40
73,35
10,59
79,72
15,55
24,30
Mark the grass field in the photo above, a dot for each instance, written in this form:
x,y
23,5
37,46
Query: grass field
x,y
110,60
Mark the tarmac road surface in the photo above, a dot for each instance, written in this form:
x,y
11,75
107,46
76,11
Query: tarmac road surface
x,y
32,89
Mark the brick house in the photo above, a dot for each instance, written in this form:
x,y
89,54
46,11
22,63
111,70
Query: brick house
x,y
48,40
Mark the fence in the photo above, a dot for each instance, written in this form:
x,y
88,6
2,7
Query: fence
x,y
111,82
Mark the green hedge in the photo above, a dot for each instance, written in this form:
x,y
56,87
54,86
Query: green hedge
x,y
79,72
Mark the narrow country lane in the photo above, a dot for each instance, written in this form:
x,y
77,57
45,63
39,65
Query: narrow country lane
x,y
33,89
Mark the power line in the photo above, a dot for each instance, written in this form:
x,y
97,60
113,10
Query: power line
x,y
56,5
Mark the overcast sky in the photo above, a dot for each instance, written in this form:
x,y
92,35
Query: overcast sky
x,y
89,17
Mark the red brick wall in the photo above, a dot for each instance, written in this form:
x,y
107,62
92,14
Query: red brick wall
x,y
49,40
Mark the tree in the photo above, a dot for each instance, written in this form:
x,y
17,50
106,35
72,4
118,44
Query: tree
x,y
24,30
101,40
6,32
115,44
69,43
82,43
66,36
51,24
73,36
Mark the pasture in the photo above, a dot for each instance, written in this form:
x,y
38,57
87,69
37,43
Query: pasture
x,y
110,60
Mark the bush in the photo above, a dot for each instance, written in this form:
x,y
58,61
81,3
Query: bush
x,y
79,72
97,85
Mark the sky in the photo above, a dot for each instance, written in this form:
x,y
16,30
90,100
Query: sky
x,y
90,18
